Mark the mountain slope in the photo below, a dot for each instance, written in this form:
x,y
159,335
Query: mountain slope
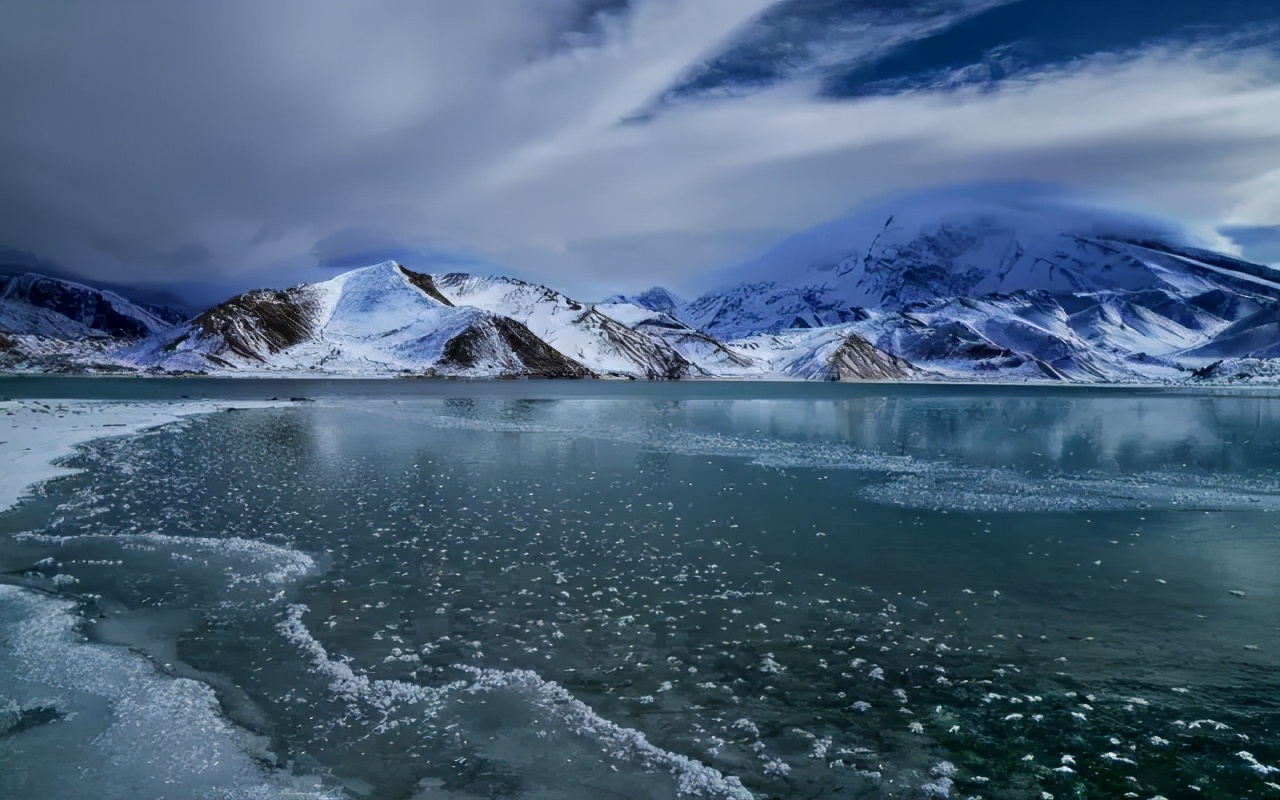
x,y
54,325
836,353
925,250
377,320
654,299
582,332
709,355
853,358
1015,285
994,283
37,305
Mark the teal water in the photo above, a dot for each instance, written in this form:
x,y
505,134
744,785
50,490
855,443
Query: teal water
x,y
547,590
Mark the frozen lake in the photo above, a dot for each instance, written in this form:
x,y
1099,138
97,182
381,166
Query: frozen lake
x,y
597,590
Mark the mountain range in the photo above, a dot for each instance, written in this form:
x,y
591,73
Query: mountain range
x,y
950,289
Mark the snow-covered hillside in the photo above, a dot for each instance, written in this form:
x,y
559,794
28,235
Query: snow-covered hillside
x,y
926,249
994,287
36,305
655,299
963,286
382,319
833,353
54,325
582,332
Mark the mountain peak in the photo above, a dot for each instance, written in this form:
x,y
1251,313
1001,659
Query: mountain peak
x,y
968,242
654,299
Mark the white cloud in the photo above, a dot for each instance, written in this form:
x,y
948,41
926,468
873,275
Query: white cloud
x,y
1170,134
229,139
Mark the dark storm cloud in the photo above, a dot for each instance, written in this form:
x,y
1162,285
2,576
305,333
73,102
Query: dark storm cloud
x,y
231,144
353,247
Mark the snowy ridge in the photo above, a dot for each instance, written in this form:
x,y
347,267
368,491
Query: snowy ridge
x,y
24,319
849,356
54,325
833,353
61,309
890,260
988,287
582,332
370,321
655,299
712,356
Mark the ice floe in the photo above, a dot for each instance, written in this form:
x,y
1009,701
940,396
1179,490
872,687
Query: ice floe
x,y
123,729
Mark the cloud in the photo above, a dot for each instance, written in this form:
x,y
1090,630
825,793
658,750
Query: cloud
x,y
1260,243
778,161
240,144
353,247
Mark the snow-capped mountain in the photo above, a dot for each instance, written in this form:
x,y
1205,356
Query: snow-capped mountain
x,y
973,286
383,319
52,308
582,332
837,353
389,319
924,250
50,324
655,299
1011,287
831,353
711,356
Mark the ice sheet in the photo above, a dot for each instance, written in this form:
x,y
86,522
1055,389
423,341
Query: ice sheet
x,y
36,434
384,700
129,729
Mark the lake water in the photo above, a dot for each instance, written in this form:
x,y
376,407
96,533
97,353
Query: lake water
x,y
590,590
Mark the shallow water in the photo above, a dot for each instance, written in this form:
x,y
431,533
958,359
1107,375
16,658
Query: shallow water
x,y
519,590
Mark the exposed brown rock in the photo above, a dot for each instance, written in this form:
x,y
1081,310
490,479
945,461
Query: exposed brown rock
x,y
261,320
425,284
510,343
858,359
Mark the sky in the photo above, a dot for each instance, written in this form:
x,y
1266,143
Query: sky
x,y
600,146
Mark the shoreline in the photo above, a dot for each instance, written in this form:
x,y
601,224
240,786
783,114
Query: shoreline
x,y
300,380
36,434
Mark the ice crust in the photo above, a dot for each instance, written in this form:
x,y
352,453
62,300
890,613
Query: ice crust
x,y
36,434
256,562
125,730
384,698
134,730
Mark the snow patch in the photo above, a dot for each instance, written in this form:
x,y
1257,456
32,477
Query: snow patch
x,y
36,434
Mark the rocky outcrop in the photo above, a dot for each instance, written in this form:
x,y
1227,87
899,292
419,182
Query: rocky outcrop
x,y
856,359
424,283
254,325
511,347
